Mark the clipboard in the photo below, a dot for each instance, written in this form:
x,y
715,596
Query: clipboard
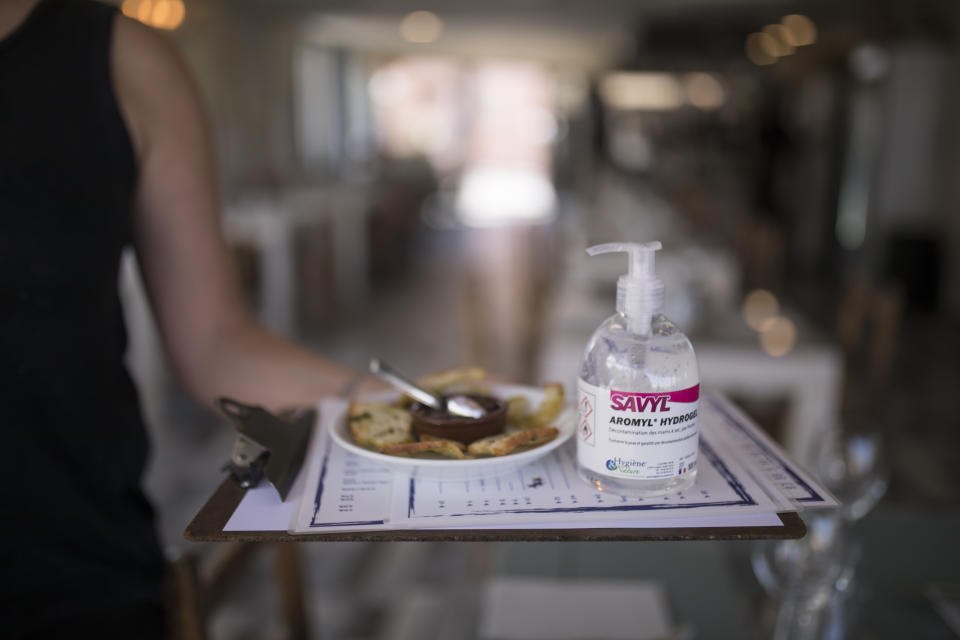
x,y
267,445
208,524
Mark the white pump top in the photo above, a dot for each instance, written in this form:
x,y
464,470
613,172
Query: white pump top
x,y
639,291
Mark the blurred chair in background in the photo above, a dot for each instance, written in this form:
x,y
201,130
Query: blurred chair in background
x,y
506,282
868,332
197,587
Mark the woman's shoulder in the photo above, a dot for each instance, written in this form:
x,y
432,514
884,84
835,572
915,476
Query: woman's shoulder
x,y
151,81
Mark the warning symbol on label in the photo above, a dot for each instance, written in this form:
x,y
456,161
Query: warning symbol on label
x,y
585,431
586,408
586,428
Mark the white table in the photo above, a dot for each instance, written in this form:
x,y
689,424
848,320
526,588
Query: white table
x,y
270,224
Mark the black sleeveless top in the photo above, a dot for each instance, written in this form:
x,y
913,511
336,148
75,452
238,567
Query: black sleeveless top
x,y
76,528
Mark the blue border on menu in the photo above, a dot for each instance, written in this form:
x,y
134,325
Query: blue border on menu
x,y
319,494
813,496
745,499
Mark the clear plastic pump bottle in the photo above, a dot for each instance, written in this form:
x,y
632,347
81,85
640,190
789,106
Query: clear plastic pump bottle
x,y
638,390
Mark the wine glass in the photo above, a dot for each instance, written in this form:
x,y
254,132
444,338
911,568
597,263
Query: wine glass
x,y
811,580
854,469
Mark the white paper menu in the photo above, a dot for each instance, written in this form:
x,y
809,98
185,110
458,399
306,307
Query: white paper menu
x,y
343,492
744,478
550,490
785,481
347,492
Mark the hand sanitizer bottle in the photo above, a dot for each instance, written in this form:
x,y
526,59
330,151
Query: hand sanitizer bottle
x,y
638,390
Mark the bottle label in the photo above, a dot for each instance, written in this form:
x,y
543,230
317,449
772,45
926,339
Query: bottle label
x,y
642,436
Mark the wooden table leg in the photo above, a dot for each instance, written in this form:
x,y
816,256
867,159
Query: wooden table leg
x,y
185,619
290,581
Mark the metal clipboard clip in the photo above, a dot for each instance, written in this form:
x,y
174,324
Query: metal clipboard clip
x,y
267,445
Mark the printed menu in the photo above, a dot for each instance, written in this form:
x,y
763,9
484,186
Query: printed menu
x,y
742,472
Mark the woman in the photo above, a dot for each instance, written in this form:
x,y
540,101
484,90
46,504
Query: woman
x,y
103,144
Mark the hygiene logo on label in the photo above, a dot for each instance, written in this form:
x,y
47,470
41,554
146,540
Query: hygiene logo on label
x,y
625,466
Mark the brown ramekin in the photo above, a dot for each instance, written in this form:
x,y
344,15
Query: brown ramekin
x,y
465,430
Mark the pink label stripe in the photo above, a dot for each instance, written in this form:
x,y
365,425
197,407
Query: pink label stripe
x,y
690,394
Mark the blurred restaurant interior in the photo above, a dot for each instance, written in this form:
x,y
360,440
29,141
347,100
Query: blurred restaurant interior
x,y
418,181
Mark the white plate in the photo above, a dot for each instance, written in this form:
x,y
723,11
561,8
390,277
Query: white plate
x,y
566,423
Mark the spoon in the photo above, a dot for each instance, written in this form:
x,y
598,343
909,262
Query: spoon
x,y
457,405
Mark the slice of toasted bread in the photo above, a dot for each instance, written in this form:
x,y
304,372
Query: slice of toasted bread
x,y
426,437
517,406
504,443
446,448
375,425
546,413
460,380
468,389
440,380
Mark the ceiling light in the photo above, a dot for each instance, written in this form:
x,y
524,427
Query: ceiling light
x,y
777,336
132,9
421,27
167,14
758,46
800,29
758,307
869,63
782,37
704,90
162,14
496,196
641,91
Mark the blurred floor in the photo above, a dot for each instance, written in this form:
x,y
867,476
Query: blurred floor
x,y
409,590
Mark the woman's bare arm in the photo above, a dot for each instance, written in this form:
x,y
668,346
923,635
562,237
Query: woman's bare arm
x,y
214,345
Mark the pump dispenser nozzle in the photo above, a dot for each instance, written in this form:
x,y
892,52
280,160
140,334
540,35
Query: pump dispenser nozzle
x,y
639,291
